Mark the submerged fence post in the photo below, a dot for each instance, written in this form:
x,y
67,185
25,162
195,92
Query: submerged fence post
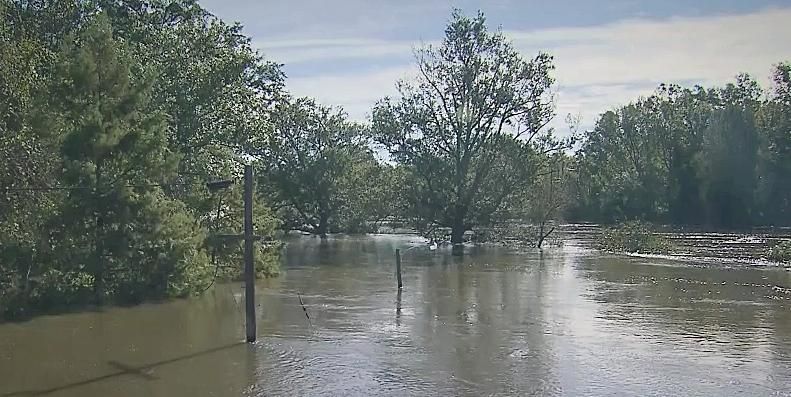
x,y
398,308
398,268
249,269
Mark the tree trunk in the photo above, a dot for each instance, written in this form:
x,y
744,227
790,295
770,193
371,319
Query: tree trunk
x,y
457,232
458,227
543,236
323,225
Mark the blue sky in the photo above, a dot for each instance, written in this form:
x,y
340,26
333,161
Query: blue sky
x,y
351,53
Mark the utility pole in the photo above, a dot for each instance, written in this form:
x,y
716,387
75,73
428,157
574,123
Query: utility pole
x,y
249,269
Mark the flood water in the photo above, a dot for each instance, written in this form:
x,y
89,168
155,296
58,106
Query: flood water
x,y
565,321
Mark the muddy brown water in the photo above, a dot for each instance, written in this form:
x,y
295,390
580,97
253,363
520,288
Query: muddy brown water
x,y
562,321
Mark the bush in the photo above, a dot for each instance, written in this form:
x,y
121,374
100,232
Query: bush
x,y
634,237
516,235
781,252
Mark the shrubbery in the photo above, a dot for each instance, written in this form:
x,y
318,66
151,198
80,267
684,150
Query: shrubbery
x,y
781,252
516,235
635,237
107,144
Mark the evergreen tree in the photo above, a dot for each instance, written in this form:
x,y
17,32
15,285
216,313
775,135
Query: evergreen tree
x,y
117,225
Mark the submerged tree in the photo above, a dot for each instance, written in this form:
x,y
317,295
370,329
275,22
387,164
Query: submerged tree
x,y
548,197
727,168
702,156
319,169
473,110
774,121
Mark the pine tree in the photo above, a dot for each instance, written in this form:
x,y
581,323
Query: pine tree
x,y
113,224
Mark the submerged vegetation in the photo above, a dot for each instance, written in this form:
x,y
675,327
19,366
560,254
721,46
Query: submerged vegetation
x,y
633,237
714,157
781,252
519,235
115,114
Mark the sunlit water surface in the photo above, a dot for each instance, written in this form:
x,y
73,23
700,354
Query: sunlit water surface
x,y
565,321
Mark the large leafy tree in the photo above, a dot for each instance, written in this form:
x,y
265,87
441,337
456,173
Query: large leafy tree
x,y
679,118
727,166
774,119
623,150
469,115
318,168
26,60
701,156
24,155
728,159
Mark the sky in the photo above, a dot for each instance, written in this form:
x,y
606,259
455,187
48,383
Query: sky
x,y
350,53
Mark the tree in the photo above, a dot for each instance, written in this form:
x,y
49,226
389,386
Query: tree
x,y
727,168
116,224
227,253
548,197
319,168
474,94
189,88
25,158
681,117
714,156
217,93
728,158
774,122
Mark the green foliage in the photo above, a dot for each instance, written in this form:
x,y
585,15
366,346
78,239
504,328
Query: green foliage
x,y
133,107
726,167
218,94
465,129
717,157
633,237
773,193
781,252
118,229
517,234
320,171
226,219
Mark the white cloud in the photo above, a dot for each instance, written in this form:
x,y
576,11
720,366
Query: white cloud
x,y
598,67
356,92
292,51
604,66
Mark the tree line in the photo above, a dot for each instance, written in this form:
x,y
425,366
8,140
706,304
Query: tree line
x,y
115,114
113,117
713,157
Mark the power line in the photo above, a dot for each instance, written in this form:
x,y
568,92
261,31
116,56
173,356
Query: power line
x,y
56,188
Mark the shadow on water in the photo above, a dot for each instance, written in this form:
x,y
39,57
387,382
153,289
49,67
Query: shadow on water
x,y
558,321
142,371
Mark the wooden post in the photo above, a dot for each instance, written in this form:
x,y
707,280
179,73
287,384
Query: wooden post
x,y
398,268
398,308
249,269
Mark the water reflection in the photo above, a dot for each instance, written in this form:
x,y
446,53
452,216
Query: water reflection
x,y
398,307
564,321
725,326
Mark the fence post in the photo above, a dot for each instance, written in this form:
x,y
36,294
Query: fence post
x,y
249,269
398,268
